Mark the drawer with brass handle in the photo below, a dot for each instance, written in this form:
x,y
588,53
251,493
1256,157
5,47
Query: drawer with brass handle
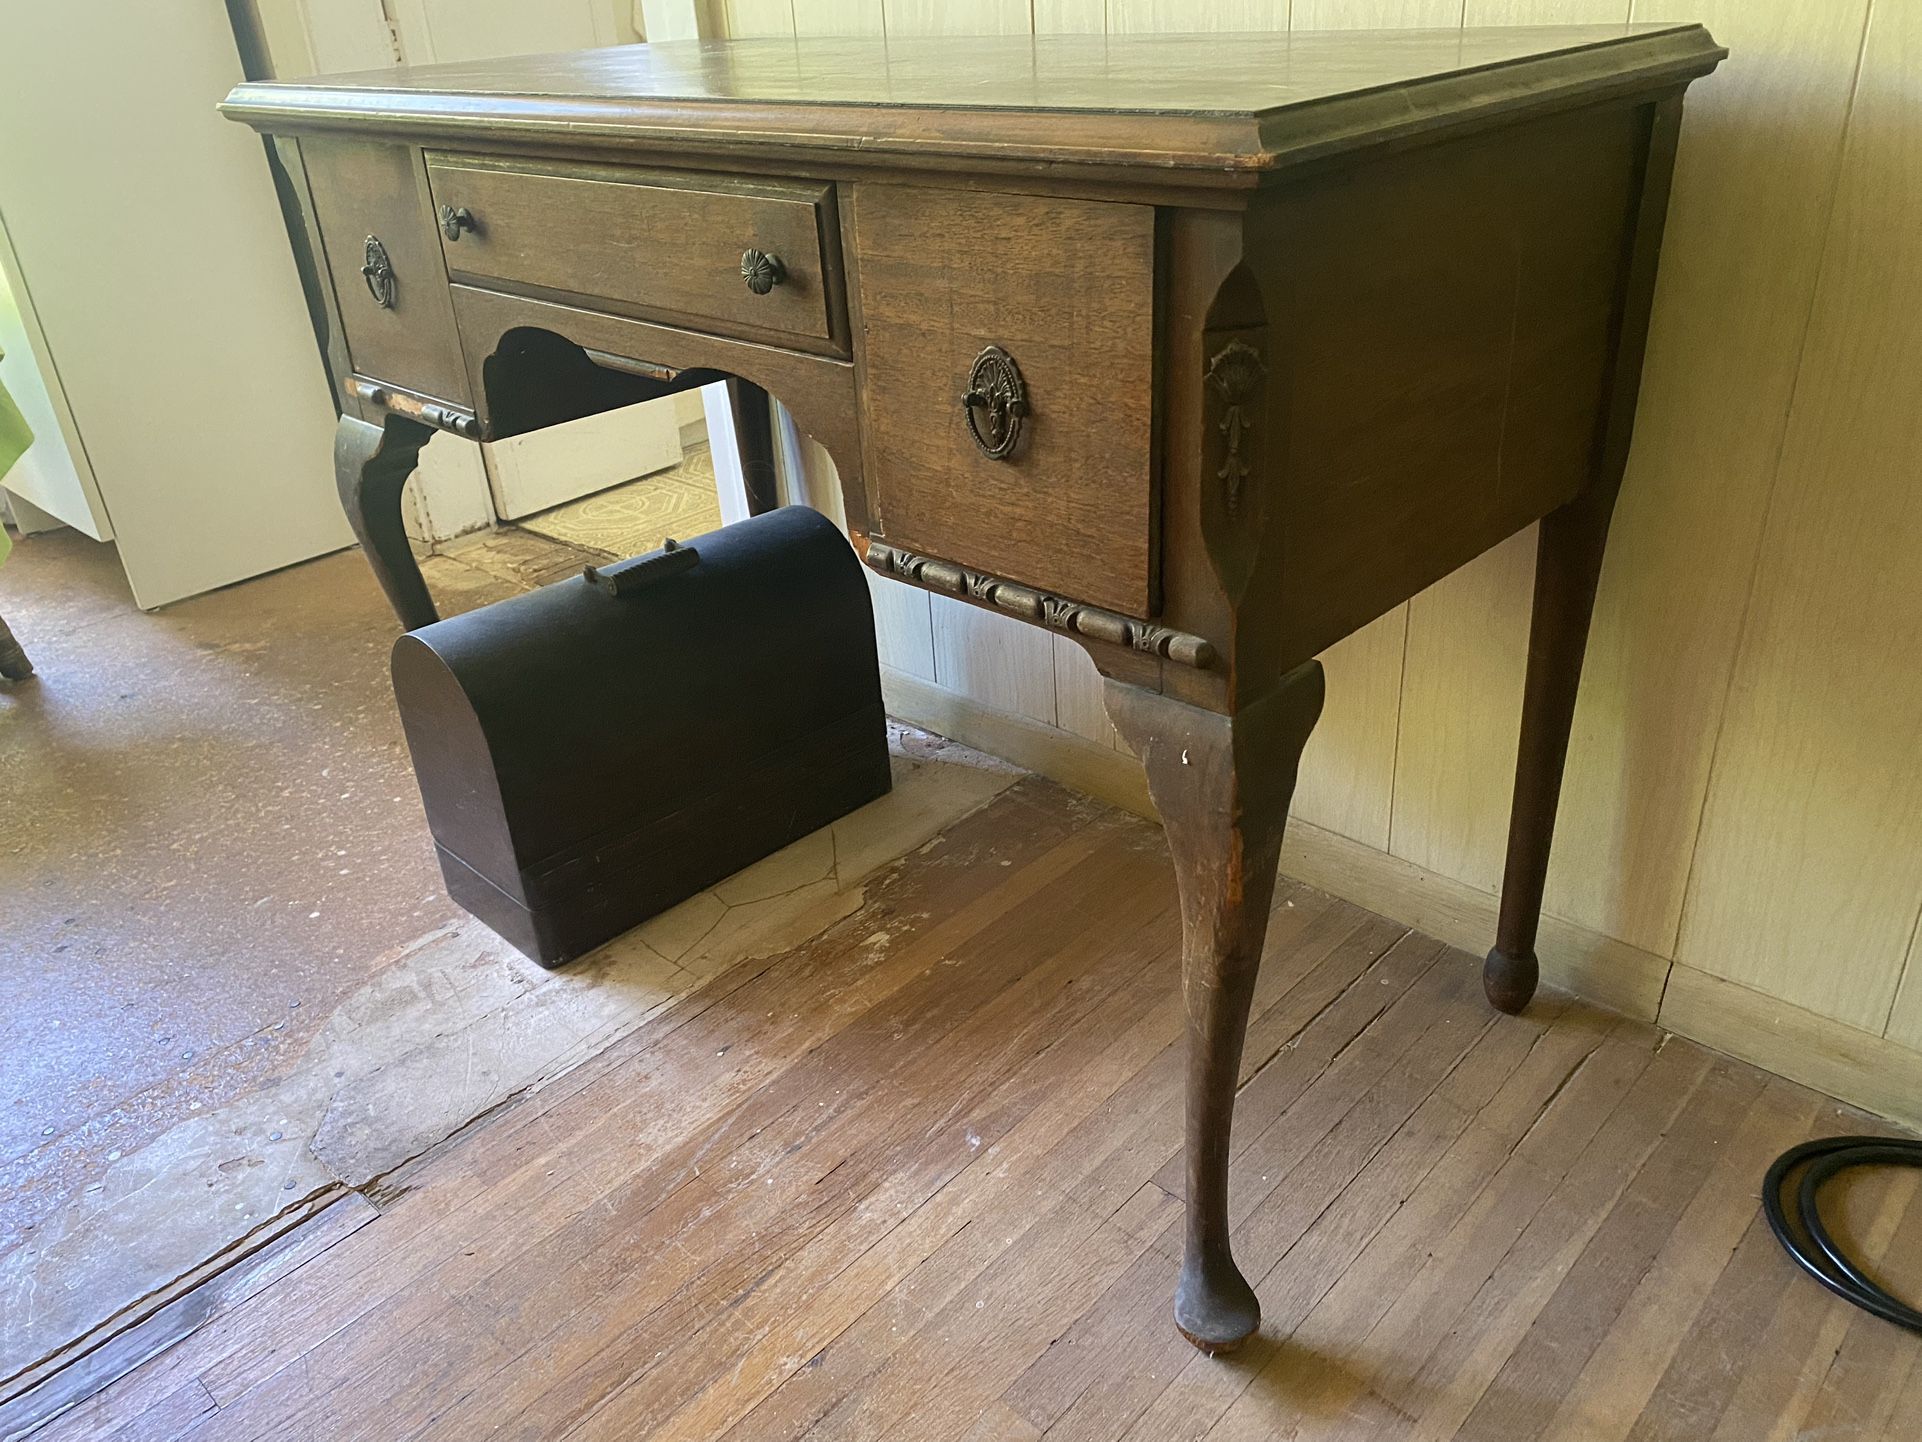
x,y
714,252
1009,386
370,204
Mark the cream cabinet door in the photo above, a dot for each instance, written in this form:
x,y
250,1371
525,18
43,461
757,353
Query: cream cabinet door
x,y
150,241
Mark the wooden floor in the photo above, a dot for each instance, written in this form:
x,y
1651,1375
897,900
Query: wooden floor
x,y
919,1180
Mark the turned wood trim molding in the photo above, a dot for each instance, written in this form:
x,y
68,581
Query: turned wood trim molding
x,y
397,400
1854,1066
1055,612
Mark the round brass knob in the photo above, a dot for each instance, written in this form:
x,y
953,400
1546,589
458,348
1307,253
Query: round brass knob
x,y
761,271
454,219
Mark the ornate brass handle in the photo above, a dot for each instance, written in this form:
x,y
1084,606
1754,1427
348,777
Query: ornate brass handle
x,y
761,271
378,271
995,403
454,219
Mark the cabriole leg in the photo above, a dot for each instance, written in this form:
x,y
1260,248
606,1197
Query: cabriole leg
x,y
371,464
1222,785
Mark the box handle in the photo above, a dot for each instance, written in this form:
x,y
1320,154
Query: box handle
x,y
624,578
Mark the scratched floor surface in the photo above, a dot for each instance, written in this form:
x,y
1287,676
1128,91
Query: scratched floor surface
x,y
234,984
916,1178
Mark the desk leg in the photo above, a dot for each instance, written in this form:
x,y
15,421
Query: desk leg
x,y
1568,564
754,438
371,464
1222,785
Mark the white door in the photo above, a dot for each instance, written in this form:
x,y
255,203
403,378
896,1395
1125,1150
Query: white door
x,y
150,241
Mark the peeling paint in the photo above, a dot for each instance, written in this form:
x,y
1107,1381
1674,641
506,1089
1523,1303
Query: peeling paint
x,y
453,1025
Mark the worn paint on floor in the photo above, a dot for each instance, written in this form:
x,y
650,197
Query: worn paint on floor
x,y
233,976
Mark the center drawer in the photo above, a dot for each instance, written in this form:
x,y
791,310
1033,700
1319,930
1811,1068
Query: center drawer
x,y
675,243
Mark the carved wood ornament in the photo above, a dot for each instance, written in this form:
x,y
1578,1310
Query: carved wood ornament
x,y
1236,372
1056,612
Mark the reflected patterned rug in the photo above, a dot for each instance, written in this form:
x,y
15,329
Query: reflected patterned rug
x,y
636,517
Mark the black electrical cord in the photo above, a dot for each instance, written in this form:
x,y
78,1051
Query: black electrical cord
x,y
1812,1248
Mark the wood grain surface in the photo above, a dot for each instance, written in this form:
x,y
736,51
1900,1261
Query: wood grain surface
x,y
1217,114
912,1179
668,242
363,189
1067,289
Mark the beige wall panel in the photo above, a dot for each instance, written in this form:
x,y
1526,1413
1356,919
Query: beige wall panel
x,y
1078,703
1810,862
993,659
1377,14
1176,16
945,17
1753,183
1347,778
1545,12
903,626
838,17
758,19
1461,704
1070,17
1905,1020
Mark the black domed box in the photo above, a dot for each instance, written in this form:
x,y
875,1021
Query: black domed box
x,y
595,751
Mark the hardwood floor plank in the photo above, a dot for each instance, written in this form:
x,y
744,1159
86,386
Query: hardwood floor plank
x,y
696,1069
1507,1304
1325,1210
1627,1365
1080,1070
1562,1338
1859,1392
919,1177
1319,1021
174,1415
1571,1127
149,1368
1106,1144
1308,1378
931,1121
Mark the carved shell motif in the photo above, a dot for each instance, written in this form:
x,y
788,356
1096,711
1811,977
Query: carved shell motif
x,y
1236,373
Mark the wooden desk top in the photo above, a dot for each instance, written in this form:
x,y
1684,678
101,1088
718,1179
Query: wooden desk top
x,y
1236,105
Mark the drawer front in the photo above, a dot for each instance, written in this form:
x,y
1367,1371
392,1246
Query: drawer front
x,y
667,243
1066,289
365,191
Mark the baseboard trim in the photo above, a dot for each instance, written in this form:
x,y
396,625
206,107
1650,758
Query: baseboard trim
x,y
1859,1067
1611,973
1854,1066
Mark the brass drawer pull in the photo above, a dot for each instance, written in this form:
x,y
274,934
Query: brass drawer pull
x,y
378,271
996,402
454,219
761,271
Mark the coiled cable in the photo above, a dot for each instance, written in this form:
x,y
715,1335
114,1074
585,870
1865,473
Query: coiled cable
x,y
1812,1248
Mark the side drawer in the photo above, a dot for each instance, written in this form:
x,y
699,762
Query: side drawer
x,y
1066,289
370,197
670,243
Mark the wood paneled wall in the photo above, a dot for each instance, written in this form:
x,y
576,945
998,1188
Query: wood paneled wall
x,y
1744,797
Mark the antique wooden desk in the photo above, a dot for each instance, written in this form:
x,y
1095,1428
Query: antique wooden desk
x,y
1203,351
